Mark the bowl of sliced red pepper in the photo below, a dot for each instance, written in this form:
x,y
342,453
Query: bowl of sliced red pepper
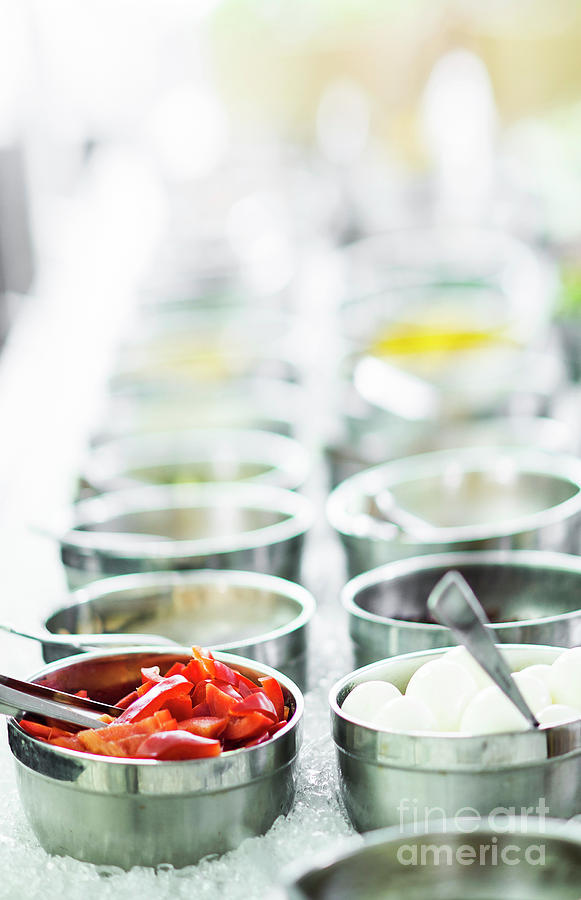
x,y
202,756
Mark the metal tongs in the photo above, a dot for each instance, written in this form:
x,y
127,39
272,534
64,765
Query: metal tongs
x,y
17,697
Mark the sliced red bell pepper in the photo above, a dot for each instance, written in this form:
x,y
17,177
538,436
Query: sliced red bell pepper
x,y
155,698
221,702
245,727
257,702
273,690
180,707
150,673
127,700
176,669
198,695
202,709
246,686
222,672
177,745
206,726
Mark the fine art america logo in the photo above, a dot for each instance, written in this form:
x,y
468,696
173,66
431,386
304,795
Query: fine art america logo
x,y
492,846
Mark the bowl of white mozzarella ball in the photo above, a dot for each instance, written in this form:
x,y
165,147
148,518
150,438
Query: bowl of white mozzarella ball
x,y
429,733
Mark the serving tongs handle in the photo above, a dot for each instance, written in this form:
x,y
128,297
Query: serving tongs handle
x,y
37,700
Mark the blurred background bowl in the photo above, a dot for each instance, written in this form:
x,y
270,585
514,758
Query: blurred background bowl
x,y
383,868
463,499
144,812
146,405
205,526
531,597
263,617
195,457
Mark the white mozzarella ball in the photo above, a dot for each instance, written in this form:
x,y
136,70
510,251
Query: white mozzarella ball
x,y
540,671
464,658
490,712
364,701
558,714
446,688
405,714
565,679
535,691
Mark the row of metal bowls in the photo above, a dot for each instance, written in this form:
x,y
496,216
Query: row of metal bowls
x,y
467,499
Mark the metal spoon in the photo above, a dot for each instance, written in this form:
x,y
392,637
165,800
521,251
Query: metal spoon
x,y
82,642
412,525
453,603
25,696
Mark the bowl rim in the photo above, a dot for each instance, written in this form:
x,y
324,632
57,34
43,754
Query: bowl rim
x,y
561,467
232,578
297,509
109,466
389,572
348,848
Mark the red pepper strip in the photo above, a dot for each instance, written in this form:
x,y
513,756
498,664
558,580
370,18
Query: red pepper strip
x,y
276,727
195,671
144,727
206,658
199,693
155,698
180,707
225,673
202,709
259,740
258,702
206,726
273,690
176,669
127,700
93,742
177,745
71,742
220,702
82,694
44,732
250,726
150,673
246,686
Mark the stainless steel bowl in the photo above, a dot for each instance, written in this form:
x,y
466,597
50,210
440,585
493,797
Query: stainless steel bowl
x,y
531,597
205,526
143,812
471,498
537,859
390,778
197,456
143,405
262,617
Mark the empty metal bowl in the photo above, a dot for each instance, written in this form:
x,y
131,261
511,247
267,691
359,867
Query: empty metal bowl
x,y
196,456
531,597
143,405
471,498
263,617
144,812
204,526
537,859
395,778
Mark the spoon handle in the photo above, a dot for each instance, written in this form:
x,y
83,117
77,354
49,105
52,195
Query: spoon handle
x,y
453,603
82,642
